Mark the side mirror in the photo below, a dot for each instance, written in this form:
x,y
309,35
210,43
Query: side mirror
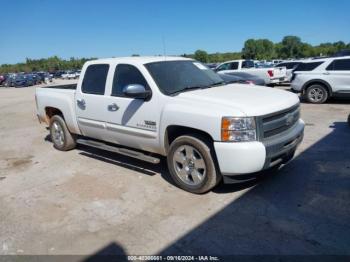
x,y
136,91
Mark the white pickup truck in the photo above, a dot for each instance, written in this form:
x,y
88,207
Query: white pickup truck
x,y
271,75
147,107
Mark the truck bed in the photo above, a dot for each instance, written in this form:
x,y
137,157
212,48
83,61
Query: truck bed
x,y
68,86
60,97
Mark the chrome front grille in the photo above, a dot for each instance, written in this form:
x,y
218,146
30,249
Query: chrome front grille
x,y
276,123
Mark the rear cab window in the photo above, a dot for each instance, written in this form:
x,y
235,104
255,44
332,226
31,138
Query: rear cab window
x,y
95,77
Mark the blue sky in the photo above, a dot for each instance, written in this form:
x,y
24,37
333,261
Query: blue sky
x,y
105,28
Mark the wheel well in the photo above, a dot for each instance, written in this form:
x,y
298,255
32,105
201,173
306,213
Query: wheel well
x,y
172,132
318,82
52,111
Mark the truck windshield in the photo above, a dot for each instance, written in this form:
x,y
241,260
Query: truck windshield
x,y
178,76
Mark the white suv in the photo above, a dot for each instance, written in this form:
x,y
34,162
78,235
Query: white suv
x,y
320,79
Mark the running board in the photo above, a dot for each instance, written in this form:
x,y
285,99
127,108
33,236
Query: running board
x,y
119,150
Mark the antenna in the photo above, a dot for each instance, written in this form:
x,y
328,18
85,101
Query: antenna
x,y
164,49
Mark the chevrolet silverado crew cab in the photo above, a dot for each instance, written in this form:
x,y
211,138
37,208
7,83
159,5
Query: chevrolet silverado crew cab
x,y
271,75
318,80
178,108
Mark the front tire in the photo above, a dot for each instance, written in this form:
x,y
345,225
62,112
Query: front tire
x,y
316,94
62,139
191,164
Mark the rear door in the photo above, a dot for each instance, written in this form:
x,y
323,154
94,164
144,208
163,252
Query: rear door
x,y
338,75
91,103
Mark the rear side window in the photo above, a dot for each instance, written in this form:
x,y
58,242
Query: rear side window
x,y
308,66
339,64
95,79
126,75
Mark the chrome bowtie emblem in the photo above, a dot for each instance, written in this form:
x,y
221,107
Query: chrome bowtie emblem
x,y
289,119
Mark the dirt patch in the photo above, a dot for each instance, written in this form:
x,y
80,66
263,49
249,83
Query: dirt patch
x,y
16,162
90,187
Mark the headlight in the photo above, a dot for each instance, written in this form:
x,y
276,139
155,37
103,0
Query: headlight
x,y
238,129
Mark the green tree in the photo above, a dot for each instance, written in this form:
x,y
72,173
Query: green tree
x,y
249,50
201,55
307,50
291,47
258,49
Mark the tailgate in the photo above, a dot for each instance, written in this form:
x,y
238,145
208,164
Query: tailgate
x,y
279,72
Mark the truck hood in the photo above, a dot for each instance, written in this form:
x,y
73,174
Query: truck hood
x,y
250,100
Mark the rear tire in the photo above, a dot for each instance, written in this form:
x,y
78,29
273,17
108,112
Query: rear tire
x,y
191,164
316,94
62,139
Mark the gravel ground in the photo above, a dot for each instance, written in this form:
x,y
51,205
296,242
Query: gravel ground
x,y
87,201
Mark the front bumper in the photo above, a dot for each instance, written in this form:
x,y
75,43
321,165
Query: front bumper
x,y
250,157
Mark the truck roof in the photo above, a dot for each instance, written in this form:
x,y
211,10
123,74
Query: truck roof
x,y
139,59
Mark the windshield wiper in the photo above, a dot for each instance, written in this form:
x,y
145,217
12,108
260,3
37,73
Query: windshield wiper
x,y
189,88
218,83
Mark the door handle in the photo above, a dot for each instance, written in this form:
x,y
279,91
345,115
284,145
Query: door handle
x,y
326,73
113,107
81,102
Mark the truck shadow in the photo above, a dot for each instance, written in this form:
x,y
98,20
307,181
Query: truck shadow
x,y
302,209
110,253
151,169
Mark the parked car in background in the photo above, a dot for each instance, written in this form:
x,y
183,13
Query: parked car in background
x,y
69,75
320,79
290,66
58,74
31,79
345,52
212,65
242,77
44,77
77,74
178,108
2,79
17,80
275,62
271,75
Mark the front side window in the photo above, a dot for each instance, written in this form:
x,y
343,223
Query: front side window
x,y
340,65
224,67
95,79
126,75
177,76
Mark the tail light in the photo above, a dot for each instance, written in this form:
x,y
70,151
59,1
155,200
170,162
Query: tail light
x,y
270,72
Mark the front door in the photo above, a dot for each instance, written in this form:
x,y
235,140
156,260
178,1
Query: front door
x,y
129,121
